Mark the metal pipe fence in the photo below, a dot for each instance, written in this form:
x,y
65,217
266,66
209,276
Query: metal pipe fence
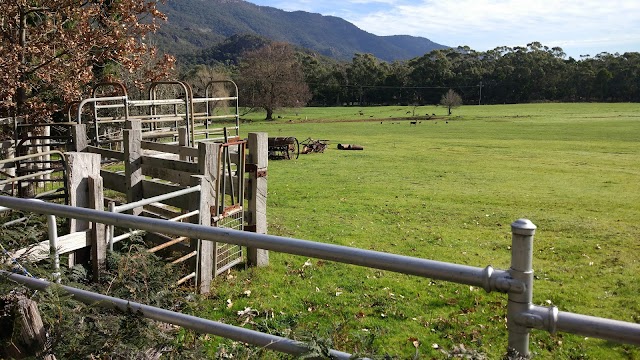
x,y
52,231
200,325
517,282
38,169
130,206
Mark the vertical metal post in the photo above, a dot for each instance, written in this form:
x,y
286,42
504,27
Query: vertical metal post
x,y
53,246
522,231
111,229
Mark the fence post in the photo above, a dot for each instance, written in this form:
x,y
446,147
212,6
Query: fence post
x,y
258,159
522,231
80,166
98,230
133,162
208,154
79,135
8,151
183,140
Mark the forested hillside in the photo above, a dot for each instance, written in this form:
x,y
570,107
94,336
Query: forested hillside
x,y
196,24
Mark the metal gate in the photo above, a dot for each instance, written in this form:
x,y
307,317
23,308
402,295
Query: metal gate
x,y
229,208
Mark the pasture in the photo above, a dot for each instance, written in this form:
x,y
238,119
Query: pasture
x,y
446,189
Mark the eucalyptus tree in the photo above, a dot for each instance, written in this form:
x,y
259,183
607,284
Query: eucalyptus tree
x,y
430,71
363,73
396,82
325,78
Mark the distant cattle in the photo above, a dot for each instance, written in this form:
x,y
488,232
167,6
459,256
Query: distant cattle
x,y
413,123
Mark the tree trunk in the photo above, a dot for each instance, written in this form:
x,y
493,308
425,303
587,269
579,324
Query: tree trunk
x,y
269,114
30,336
21,92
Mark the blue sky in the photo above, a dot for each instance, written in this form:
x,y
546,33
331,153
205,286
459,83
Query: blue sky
x,y
578,27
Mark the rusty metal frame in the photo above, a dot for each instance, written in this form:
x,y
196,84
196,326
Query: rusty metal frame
x,y
222,214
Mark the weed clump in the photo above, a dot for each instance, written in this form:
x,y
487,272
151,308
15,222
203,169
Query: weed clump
x,y
71,329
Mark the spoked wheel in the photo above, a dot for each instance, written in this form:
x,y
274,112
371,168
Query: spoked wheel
x,y
293,149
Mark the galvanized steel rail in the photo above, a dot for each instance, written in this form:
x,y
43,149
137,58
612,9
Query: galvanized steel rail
x,y
517,282
52,230
200,325
487,278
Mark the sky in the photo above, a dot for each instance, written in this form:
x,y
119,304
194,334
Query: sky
x,y
586,27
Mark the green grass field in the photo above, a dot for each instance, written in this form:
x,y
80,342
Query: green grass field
x,y
447,189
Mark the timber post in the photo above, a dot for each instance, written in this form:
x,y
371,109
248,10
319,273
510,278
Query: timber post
x,y
81,166
30,336
98,229
79,135
133,162
257,163
8,151
183,140
208,154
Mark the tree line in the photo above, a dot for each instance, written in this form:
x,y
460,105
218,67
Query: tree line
x,y
278,75
534,73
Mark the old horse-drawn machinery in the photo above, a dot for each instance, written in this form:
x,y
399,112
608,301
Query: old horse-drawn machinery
x,y
310,146
286,148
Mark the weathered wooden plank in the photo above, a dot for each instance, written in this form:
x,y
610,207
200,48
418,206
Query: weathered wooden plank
x,y
208,158
29,336
79,135
178,177
113,181
257,194
79,167
98,230
183,140
66,244
176,165
133,163
206,260
106,153
171,149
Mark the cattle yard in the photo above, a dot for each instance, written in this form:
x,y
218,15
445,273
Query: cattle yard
x,y
453,202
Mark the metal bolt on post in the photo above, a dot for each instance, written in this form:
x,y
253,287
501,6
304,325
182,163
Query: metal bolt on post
x,y
522,231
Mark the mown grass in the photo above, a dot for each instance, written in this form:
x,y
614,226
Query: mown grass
x,y
447,189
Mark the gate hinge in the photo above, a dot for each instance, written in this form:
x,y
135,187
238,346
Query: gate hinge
x,y
253,168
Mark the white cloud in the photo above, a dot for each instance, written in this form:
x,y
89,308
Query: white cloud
x,y
613,25
484,24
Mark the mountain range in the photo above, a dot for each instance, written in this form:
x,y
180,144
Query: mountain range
x,y
194,25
